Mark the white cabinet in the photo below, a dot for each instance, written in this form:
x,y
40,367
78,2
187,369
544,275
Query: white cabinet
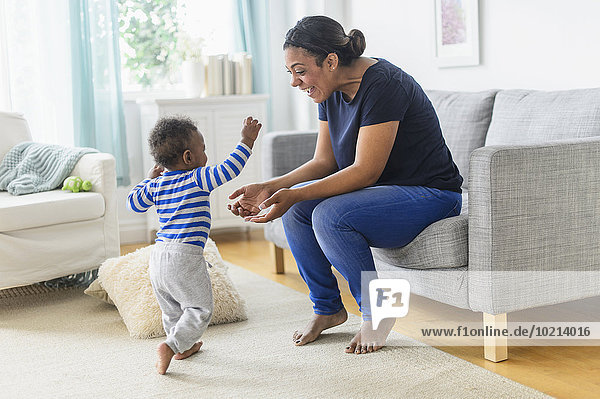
x,y
219,119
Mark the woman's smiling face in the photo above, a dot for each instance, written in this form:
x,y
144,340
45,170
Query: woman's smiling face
x,y
315,80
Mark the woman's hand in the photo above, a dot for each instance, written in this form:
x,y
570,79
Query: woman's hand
x,y
252,196
279,202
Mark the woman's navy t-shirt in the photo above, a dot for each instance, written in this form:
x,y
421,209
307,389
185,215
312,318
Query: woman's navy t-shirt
x,y
386,93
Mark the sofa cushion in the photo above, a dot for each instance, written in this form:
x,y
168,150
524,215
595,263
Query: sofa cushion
x,y
47,208
528,116
443,244
464,119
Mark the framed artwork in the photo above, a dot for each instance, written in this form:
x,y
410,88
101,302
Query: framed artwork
x,y
456,33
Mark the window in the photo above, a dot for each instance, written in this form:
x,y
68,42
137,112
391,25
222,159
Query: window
x,y
157,35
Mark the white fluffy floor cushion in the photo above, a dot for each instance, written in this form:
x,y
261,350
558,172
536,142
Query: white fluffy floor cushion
x,y
125,279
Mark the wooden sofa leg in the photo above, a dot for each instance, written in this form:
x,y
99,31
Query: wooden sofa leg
x,y
495,348
278,254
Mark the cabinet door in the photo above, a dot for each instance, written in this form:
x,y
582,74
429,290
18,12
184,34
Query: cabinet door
x,y
228,125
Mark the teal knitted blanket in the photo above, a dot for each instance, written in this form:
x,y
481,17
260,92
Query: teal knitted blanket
x,y
33,167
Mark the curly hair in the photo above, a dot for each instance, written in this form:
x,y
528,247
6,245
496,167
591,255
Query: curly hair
x,y
169,139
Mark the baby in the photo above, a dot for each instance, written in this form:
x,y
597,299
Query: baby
x,y
179,185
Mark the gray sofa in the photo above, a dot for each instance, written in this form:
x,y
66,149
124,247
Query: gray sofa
x,y
529,231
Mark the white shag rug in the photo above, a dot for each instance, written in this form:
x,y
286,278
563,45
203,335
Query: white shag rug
x,y
125,282
65,344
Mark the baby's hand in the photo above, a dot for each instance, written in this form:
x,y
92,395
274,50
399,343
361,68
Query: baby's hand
x,y
155,171
250,131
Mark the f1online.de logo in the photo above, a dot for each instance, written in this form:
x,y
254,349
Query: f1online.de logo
x,y
389,298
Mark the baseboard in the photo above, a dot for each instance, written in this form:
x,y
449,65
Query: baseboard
x,y
133,232
246,228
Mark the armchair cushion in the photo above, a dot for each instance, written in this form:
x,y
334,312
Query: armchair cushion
x,y
527,116
443,244
47,208
464,118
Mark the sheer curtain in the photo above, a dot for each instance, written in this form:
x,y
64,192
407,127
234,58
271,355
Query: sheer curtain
x,y
37,68
253,38
59,61
4,86
98,112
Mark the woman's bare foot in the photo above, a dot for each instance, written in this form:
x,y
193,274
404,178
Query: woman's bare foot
x,y
368,340
194,349
165,354
319,323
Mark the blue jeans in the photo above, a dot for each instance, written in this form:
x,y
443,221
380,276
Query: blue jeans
x,y
338,231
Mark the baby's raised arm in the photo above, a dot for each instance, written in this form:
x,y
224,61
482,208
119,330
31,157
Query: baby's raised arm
x,y
210,177
250,131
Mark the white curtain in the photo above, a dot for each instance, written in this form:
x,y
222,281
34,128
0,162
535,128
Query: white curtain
x,y
35,66
4,86
292,109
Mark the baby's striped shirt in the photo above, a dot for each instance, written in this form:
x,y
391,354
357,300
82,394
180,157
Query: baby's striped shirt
x,y
182,197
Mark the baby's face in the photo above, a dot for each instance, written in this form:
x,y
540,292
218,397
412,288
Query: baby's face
x,y
198,149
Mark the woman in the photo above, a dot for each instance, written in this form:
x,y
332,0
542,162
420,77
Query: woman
x,y
380,174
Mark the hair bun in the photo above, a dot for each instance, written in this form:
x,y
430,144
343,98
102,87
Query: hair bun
x,y
320,35
357,42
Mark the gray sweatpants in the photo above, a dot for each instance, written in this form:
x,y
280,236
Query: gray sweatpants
x,y
182,287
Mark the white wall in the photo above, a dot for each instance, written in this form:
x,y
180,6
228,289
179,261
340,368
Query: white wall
x,y
533,44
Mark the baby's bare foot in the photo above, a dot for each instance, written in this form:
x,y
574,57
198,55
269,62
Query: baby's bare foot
x,y
368,340
195,348
165,353
319,323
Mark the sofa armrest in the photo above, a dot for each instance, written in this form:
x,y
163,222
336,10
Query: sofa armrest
x,y
100,169
286,150
533,208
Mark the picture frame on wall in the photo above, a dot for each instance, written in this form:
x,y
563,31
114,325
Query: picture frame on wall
x,y
456,33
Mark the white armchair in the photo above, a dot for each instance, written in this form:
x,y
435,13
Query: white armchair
x,y
56,233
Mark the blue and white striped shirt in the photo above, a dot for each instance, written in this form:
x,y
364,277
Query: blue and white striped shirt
x,y
182,197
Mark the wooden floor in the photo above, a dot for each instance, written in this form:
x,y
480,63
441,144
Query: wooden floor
x,y
562,372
